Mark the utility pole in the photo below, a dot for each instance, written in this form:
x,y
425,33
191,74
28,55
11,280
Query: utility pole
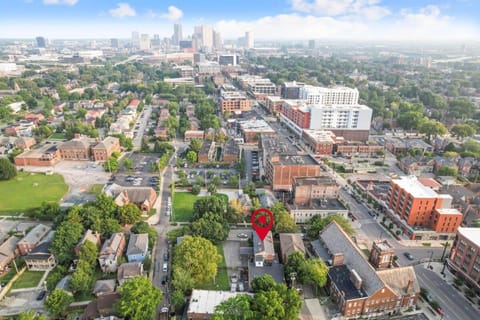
x,y
430,260
445,245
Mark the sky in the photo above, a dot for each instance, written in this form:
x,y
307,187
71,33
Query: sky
x,y
411,20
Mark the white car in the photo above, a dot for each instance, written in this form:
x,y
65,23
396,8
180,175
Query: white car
x,y
165,267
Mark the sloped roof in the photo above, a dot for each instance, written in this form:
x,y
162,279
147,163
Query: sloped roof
x,y
398,279
80,143
338,242
101,306
129,270
107,144
265,246
111,245
135,195
290,243
90,236
138,243
104,286
8,247
36,234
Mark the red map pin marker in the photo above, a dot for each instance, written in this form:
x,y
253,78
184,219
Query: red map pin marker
x,y
263,223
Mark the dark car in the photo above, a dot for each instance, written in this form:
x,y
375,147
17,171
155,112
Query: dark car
x,y
165,256
164,279
409,256
41,295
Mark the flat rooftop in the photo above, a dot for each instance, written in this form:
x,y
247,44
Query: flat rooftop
x,y
472,234
278,144
205,301
233,95
320,135
384,245
256,125
38,152
415,187
448,211
320,204
314,181
296,160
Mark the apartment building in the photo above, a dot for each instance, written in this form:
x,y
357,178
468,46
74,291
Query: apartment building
x,y
319,141
207,152
420,212
291,89
234,102
465,256
328,96
305,189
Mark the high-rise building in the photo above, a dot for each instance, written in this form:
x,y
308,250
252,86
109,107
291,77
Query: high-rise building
x,y
114,43
328,96
249,40
135,39
144,42
156,41
177,34
41,42
204,36
311,44
217,40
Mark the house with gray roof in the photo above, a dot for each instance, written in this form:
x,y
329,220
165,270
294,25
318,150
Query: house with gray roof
x,y
33,238
8,252
137,248
104,287
356,287
264,252
112,249
128,271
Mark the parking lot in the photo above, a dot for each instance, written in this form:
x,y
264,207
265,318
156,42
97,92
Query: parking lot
x,y
141,173
199,175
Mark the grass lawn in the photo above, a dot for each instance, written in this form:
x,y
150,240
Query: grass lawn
x,y
183,205
58,136
27,192
96,189
28,279
221,280
6,277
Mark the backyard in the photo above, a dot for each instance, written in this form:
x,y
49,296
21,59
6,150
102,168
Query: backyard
x,y
27,191
28,279
183,205
221,280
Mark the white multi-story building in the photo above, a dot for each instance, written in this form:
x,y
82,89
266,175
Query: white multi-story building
x,y
326,117
249,40
144,42
329,96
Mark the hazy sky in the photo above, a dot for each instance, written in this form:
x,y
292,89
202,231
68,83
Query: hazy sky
x,y
269,19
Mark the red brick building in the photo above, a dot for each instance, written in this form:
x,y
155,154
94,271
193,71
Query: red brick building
x,y
296,113
465,256
103,150
320,141
281,169
304,189
46,155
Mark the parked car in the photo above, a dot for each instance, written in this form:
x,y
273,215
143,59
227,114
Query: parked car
x,y
409,256
165,256
165,267
41,295
242,235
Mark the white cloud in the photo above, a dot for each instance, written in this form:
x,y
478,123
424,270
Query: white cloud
x,y
173,13
67,2
367,9
122,10
428,23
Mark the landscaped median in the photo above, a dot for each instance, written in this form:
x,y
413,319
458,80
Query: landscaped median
x,y
27,191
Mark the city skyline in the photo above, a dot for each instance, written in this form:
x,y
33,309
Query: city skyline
x,y
270,19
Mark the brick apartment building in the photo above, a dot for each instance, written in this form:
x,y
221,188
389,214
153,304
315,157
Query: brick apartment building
x,y
207,152
355,286
421,212
78,148
234,102
46,155
465,256
33,238
230,152
319,141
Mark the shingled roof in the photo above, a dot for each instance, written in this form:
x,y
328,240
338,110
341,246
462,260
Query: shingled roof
x,y
338,242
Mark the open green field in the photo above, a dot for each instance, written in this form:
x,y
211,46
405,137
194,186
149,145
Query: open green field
x,y
221,280
28,279
58,136
183,205
27,191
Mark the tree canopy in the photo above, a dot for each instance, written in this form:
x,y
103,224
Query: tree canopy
x,y
317,224
7,169
138,298
58,301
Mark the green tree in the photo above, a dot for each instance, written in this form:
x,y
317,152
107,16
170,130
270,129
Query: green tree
x,y
267,305
212,227
447,171
191,157
111,165
83,277
58,302
235,308
7,169
199,256
318,223
89,253
48,211
212,189
129,214
432,128
196,189
283,221
195,145
263,283
30,315
182,280
138,298
213,204
462,130
178,299
67,236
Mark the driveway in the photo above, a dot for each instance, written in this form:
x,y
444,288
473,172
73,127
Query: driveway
x,y
21,301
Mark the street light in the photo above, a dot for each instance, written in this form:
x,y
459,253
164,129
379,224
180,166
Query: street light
x,y
430,260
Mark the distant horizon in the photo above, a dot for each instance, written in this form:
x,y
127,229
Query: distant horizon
x,y
369,20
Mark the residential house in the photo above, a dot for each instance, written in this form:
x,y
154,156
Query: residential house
x,y
33,238
104,287
112,249
290,243
36,117
137,248
103,307
444,162
25,142
263,251
93,237
103,150
128,271
356,287
143,197
417,165
40,258
8,252
207,152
